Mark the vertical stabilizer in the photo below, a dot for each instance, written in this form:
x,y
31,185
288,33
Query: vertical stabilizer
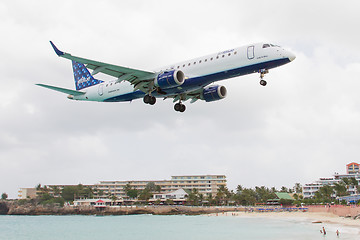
x,y
82,76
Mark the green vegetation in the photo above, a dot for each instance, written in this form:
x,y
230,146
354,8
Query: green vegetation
x,y
4,196
242,196
144,194
69,193
328,194
56,196
248,196
260,195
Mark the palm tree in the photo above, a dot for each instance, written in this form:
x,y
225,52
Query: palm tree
x,y
201,198
113,198
239,189
145,194
324,193
38,187
298,188
56,191
193,197
4,196
100,193
223,195
340,189
209,198
284,189
354,183
158,188
151,186
346,181
273,190
247,197
127,188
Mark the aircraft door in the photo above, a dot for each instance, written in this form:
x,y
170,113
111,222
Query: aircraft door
x,y
101,90
250,52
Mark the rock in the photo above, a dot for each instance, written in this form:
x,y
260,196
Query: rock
x,y
4,209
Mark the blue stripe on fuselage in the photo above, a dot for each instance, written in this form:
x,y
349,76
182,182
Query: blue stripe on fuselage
x,y
126,97
191,84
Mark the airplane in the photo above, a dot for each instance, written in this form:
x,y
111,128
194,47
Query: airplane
x,y
188,80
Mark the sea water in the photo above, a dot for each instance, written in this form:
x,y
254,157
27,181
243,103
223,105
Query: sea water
x,y
149,227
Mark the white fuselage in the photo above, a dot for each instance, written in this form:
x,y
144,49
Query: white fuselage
x,y
199,72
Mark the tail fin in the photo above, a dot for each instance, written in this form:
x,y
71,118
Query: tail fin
x,y
82,76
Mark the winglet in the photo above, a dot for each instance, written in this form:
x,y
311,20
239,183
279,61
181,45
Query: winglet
x,y
57,51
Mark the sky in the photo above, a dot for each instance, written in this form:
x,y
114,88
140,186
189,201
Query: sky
x,y
303,125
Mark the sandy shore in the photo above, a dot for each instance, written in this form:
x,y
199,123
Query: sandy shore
x,y
314,217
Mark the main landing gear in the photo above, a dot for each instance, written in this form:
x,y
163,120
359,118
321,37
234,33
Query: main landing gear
x,y
179,107
149,99
262,74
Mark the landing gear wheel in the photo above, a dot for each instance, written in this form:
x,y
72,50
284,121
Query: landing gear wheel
x,y
182,108
263,82
149,99
146,99
177,107
152,100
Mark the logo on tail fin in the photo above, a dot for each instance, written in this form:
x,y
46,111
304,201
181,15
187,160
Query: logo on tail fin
x,y
82,76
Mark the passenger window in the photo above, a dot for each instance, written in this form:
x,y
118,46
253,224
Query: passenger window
x,y
211,59
223,55
189,64
205,60
184,65
178,67
229,54
200,61
235,52
194,63
266,45
217,57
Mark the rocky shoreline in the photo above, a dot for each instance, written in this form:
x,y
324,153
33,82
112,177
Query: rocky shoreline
x,y
14,208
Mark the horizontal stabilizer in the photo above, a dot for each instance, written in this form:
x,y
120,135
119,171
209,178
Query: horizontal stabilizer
x,y
63,90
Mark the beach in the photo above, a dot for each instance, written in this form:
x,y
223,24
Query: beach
x,y
313,217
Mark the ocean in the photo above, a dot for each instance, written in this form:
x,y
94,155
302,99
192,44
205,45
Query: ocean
x,y
149,227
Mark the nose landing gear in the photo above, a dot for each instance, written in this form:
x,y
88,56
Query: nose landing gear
x,y
262,74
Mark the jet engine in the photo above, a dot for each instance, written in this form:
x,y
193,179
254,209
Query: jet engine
x,y
213,93
170,79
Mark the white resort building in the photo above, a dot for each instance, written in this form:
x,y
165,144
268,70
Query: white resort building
x,y
205,184
27,193
352,171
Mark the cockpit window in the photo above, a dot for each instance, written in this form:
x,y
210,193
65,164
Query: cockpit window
x,y
269,45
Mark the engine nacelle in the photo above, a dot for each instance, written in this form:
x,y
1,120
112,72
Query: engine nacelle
x,y
170,79
213,93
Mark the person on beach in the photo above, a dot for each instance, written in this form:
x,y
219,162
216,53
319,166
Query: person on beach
x,y
337,233
324,232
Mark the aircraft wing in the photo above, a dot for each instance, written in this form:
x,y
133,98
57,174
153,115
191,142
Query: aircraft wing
x,y
193,95
139,78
